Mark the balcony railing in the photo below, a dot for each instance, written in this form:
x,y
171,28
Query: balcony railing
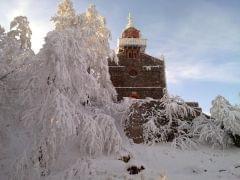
x,y
132,42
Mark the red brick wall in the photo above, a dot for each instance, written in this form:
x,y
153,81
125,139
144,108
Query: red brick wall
x,y
131,76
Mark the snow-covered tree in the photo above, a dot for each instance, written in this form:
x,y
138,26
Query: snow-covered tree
x,y
98,35
65,16
221,127
15,47
20,29
227,114
65,92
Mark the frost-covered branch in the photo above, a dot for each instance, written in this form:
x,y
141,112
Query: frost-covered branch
x,y
65,16
20,29
226,114
176,108
209,131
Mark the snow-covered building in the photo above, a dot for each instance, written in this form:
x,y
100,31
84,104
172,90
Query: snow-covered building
x,y
137,74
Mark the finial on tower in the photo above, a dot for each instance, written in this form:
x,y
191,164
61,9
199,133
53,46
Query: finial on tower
x,y
130,21
92,5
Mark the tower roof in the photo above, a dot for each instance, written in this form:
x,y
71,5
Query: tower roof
x,y
130,31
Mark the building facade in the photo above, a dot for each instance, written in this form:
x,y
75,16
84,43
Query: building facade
x,y
137,74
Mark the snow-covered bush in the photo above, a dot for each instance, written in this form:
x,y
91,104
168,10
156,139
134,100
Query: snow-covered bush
x,y
209,131
175,108
176,114
184,142
184,137
228,116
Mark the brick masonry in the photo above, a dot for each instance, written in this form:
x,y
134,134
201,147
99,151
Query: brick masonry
x,y
140,77
137,74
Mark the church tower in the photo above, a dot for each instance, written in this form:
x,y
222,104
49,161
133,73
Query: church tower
x,y
137,75
131,44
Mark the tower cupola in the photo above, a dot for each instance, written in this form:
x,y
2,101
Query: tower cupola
x,y
131,39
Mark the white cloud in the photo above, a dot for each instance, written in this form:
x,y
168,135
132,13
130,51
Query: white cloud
x,y
225,72
206,47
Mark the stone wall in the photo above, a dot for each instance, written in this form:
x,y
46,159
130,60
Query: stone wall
x,y
137,117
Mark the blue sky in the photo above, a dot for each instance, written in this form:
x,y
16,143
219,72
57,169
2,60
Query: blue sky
x,y
199,39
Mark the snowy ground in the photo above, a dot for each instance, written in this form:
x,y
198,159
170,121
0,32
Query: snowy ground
x,y
160,160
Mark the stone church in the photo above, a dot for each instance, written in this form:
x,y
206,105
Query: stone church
x,y
137,74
